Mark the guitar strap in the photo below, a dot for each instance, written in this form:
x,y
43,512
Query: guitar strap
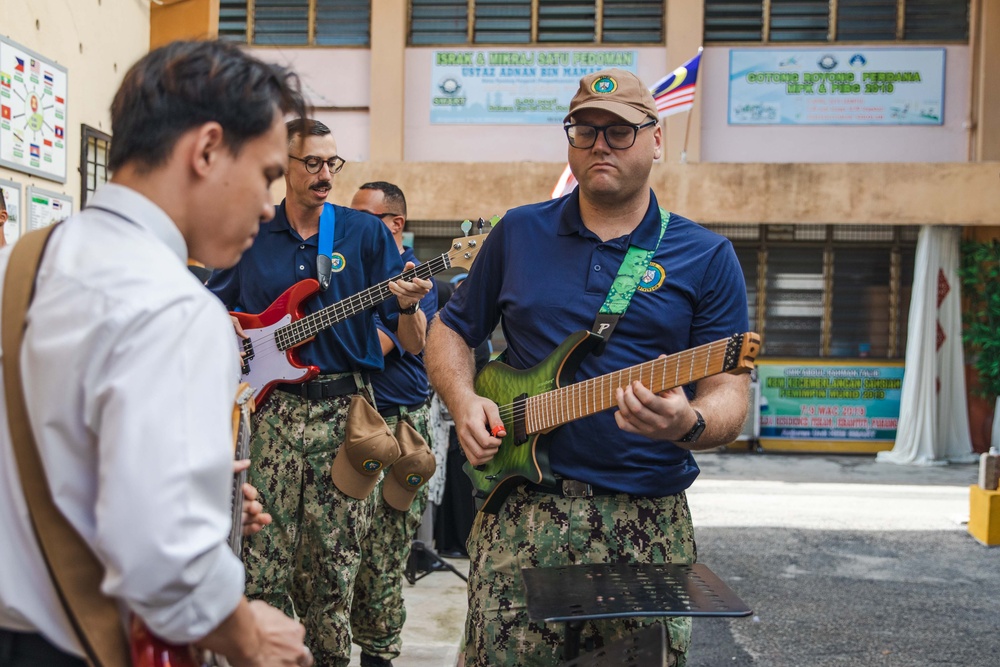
x,y
629,276
324,255
74,569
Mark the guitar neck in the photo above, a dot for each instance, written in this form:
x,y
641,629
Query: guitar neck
x,y
303,329
560,406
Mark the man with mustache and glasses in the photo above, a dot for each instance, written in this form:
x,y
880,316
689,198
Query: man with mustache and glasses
x,y
309,557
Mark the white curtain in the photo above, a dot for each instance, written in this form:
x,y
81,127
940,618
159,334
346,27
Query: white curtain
x,y
933,415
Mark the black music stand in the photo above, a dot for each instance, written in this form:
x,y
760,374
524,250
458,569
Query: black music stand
x,y
421,552
577,593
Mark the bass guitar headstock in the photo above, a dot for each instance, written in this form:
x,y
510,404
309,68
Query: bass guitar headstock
x,y
465,248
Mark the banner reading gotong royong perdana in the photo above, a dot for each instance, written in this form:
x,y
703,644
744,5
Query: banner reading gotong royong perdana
x,y
836,86
513,87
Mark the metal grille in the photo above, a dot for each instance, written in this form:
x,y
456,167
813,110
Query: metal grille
x,y
866,20
502,21
284,22
342,23
233,21
836,20
638,21
727,21
566,20
439,22
827,290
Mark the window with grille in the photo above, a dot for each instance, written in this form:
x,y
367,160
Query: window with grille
x,y
817,291
296,22
541,21
94,147
780,21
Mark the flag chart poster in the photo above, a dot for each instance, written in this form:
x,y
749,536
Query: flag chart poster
x,y
521,87
841,86
33,97
46,208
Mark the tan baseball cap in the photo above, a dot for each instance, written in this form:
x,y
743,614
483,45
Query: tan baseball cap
x,y
369,447
617,91
412,470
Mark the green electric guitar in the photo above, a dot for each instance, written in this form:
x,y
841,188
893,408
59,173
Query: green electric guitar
x,y
535,401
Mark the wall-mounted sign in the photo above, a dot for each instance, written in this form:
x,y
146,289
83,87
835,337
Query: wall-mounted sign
x,y
33,97
46,208
829,401
530,86
11,192
836,86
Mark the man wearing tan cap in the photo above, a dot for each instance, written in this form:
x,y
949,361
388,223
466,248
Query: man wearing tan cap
x,y
401,393
621,474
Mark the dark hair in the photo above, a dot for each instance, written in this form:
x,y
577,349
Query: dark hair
x,y
300,127
3,204
391,193
186,84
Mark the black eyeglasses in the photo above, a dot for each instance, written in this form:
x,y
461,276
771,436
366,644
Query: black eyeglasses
x,y
382,215
618,137
314,164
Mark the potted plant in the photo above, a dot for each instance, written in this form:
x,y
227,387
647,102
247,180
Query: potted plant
x,y
979,274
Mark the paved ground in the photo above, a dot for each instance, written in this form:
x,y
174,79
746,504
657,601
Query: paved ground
x,y
845,562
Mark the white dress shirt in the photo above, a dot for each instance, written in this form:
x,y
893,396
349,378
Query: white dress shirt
x,y
130,376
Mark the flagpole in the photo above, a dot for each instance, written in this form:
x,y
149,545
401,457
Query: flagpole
x,y
687,131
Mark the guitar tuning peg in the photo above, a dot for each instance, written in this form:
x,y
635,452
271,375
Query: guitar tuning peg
x,y
467,226
494,220
480,224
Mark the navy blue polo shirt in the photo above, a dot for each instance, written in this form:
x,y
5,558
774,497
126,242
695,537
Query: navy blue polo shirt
x,y
279,258
544,275
404,380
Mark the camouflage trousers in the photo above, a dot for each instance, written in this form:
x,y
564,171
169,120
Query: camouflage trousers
x,y
378,614
306,561
535,529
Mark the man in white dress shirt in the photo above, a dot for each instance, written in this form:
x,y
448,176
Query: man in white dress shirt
x,y
130,368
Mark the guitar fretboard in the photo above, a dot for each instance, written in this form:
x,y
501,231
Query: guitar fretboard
x,y
561,406
290,335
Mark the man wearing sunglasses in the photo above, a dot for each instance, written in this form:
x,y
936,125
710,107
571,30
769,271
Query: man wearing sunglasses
x,y
309,556
544,273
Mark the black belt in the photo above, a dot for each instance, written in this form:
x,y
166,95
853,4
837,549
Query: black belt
x,y
570,488
323,387
394,410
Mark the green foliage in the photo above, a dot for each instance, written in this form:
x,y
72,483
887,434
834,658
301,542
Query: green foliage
x,y
980,277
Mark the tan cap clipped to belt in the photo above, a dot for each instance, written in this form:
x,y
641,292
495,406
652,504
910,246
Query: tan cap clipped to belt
x,y
369,447
412,470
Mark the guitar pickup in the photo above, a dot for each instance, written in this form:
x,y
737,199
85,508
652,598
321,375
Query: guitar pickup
x,y
247,356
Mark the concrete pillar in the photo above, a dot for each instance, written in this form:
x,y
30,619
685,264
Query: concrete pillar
x,y
186,19
986,66
388,71
685,32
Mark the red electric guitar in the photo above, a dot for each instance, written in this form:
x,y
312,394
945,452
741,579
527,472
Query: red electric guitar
x,y
148,650
269,354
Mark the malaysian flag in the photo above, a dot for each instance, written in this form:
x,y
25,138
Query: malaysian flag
x,y
35,66
673,93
